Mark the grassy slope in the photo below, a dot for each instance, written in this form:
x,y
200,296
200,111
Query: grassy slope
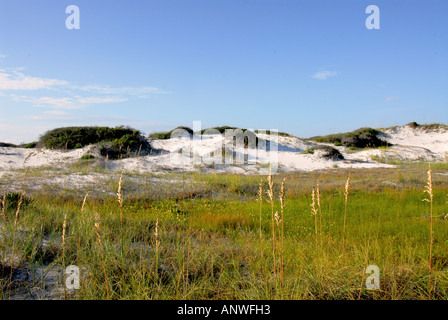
x,y
209,246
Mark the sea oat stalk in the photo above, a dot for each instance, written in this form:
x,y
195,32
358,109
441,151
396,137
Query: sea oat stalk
x,y
347,187
430,199
64,227
260,198
314,211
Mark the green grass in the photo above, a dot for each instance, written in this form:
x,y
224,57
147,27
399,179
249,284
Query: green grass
x,y
328,152
87,157
208,243
78,137
361,138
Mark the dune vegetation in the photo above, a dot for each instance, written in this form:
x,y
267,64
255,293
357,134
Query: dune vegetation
x,y
170,234
222,236
361,138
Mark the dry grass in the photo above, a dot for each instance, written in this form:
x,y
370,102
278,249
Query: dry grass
x,y
282,230
16,220
260,199
64,227
347,187
204,248
98,234
315,213
270,193
430,199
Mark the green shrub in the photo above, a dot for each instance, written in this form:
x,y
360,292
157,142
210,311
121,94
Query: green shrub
x,y
413,125
329,152
114,143
222,129
167,134
12,201
30,145
7,145
160,135
279,133
427,127
87,157
78,137
308,151
361,138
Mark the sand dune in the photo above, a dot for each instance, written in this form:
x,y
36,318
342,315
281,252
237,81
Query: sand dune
x,y
409,144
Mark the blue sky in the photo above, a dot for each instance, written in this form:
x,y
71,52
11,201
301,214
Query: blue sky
x,y
304,67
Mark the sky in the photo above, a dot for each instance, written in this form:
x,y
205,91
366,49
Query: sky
x,y
303,67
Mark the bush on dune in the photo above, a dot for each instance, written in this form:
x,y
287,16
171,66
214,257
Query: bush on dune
x,y
7,145
361,138
167,134
327,152
114,141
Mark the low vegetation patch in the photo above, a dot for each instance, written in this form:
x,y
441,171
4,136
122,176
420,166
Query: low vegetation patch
x,y
426,127
361,138
11,201
78,137
114,142
327,152
30,145
221,129
167,134
87,157
260,239
7,145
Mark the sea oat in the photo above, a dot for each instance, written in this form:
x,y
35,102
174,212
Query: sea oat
x,y
347,187
64,226
314,211
84,202
260,198
430,199
277,218
119,194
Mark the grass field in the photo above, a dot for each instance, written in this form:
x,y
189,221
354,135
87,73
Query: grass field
x,y
219,236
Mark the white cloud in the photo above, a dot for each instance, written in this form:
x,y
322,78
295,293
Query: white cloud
x,y
323,75
66,103
94,100
15,80
391,98
56,112
131,91
50,102
64,95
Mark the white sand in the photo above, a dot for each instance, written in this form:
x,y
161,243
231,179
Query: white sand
x,y
408,144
